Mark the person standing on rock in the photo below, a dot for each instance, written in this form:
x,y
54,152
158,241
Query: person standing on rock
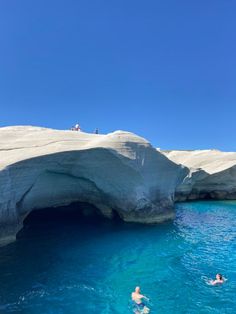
x,y
77,127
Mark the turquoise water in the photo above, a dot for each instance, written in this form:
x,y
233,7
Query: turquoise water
x,y
66,264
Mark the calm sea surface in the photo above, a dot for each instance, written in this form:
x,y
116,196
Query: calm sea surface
x,y
65,264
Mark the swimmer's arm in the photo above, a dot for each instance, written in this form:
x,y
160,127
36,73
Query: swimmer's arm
x,y
215,282
145,298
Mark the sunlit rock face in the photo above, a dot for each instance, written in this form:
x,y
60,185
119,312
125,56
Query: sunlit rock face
x,y
207,174
119,173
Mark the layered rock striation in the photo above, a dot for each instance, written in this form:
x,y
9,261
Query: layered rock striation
x,y
119,173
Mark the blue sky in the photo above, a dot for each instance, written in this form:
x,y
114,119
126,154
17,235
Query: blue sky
x,y
165,70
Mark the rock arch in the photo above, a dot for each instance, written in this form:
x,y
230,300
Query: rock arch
x,y
119,173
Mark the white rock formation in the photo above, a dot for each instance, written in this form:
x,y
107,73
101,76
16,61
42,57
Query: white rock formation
x,y
208,174
118,173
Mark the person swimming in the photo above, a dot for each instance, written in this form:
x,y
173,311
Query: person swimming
x,y
137,298
219,280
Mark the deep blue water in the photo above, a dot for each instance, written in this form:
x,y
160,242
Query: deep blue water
x,y
66,264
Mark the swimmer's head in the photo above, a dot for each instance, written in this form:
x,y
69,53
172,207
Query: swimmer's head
x,y
137,289
219,277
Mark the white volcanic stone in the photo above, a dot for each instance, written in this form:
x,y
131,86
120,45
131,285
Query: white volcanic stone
x,y
118,173
208,174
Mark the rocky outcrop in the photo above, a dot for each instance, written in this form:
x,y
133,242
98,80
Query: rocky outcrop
x,y
207,174
119,173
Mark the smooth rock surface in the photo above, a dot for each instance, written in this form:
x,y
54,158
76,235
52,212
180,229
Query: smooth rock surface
x,y
120,173
208,174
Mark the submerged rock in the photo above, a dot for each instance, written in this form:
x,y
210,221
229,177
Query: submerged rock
x,y
207,174
119,173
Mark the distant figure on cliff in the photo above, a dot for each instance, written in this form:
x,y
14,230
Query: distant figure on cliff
x,y
96,131
137,298
219,280
76,128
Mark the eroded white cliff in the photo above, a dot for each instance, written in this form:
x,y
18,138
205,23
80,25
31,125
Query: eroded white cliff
x,y
118,173
208,174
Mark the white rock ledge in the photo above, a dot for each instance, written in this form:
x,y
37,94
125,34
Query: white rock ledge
x,y
207,174
118,173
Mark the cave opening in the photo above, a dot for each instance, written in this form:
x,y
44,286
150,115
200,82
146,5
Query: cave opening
x,y
63,219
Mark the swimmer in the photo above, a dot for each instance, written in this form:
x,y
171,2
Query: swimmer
x,y
219,280
137,298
